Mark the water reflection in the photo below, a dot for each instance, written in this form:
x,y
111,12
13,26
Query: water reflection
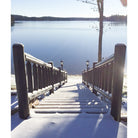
x,y
72,41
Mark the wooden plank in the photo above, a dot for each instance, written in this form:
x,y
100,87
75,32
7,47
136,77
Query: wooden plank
x,y
93,111
69,106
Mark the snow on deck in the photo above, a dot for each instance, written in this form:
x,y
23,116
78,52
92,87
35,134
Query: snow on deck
x,y
73,111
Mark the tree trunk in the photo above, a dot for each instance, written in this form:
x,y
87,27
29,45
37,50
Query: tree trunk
x,y
100,7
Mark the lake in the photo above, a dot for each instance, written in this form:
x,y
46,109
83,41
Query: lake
x,y
74,42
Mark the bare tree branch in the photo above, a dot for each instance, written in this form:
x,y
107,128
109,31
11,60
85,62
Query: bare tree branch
x,y
98,5
87,1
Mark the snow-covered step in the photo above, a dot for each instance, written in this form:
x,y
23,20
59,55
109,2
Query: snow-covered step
x,y
76,110
71,103
68,106
71,98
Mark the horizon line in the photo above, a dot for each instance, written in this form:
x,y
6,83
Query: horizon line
x,y
66,17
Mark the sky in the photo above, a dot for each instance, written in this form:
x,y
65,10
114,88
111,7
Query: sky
x,y
65,8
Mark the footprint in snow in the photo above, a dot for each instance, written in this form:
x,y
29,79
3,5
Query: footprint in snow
x,y
53,123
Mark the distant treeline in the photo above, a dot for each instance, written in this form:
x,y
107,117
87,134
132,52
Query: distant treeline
x,y
12,20
119,18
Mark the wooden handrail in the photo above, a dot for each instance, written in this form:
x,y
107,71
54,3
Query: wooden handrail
x,y
35,60
33,78
105,61
107,76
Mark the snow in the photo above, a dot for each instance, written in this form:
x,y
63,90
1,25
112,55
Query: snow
x,y
124,107
13,84
14,98
68,125
14,101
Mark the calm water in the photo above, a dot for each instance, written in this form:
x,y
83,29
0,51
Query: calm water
x,y
74,42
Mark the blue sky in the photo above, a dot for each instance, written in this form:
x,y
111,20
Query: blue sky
x,y
64,8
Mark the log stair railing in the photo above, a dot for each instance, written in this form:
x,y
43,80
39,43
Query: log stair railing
x,y
34,77
106,78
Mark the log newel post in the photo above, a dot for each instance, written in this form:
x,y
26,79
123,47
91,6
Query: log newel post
x,y
21,84
117,83
93,80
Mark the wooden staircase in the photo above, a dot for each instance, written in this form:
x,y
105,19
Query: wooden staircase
x,y
73,97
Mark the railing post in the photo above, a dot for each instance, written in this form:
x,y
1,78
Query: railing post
x,y
35,76
20,75
93,81
60,77
118,68
110,74
47,77
102,78
52,77
88,78
44,76
66,77
39,77
29,76
105,76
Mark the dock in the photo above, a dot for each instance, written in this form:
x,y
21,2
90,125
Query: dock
x,y
73,111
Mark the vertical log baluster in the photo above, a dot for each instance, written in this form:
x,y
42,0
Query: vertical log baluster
x,y
105,76
43,76
35,76
94,91
39,77
29,76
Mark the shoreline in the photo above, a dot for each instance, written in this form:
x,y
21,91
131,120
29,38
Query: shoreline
x,y
113,18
